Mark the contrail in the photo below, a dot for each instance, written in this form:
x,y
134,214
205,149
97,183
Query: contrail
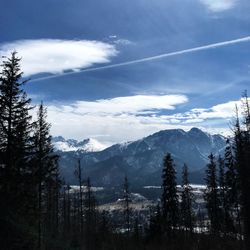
x,y
146,59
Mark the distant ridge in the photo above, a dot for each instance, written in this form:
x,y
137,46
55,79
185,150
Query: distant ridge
x,y
140,160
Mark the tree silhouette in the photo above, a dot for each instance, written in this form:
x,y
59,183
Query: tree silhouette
x,y
169,195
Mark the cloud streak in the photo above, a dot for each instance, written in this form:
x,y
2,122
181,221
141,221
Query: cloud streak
x,y
152,58
56,56
136,105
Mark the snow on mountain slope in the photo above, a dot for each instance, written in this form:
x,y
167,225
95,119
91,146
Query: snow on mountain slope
x,y
92,145
87,145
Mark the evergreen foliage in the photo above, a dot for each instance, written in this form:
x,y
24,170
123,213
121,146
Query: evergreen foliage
x,y
242,154
127,201
15,146
187,199
170,203
211,195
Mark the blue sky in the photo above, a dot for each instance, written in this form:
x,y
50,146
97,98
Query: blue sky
x,y
123,103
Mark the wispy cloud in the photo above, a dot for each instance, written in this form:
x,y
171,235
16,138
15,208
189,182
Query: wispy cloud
x,y
122,118
224,112
161,56
219,5
133,117
55,56
138,104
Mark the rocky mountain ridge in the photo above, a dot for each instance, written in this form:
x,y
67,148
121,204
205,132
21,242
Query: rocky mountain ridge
x,y
141,160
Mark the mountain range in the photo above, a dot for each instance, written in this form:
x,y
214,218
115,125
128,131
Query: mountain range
x,y
140,160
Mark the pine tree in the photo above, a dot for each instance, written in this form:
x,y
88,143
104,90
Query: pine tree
x,y
169,198
90,216
15,124
15,147
231,176
231,186
211,195
127,201
242,152
45,166
78,173
187,199
155,223
66,211
224,193
50,200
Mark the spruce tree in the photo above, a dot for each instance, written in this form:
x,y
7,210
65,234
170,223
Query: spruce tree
x,y
169,198
232,186
127,201
155,223
231,175
15,147
45,163
211,195
15,124
224,193
90,215
187,199
242,153
78,173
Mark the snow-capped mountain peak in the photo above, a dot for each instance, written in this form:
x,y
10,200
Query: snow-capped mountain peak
x,y
91,145
87,145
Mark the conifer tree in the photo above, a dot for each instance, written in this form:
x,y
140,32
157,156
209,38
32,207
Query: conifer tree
x,y
232,194
231,176
224,193
66,210
78,173
90,215
15,147
15,123
211,195
127,201
155,223
187,199
50,200
169,198
45,165
245,169
242,152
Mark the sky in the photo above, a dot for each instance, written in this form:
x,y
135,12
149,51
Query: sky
x,y
120,70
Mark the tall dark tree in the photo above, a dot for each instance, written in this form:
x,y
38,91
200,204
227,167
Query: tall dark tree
x,y
45,165
231,186
51,197
90,216
242,151
211,195
224,190
66,211
127,201
155,223
169,198
231,175
15,148
78,173
187,199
